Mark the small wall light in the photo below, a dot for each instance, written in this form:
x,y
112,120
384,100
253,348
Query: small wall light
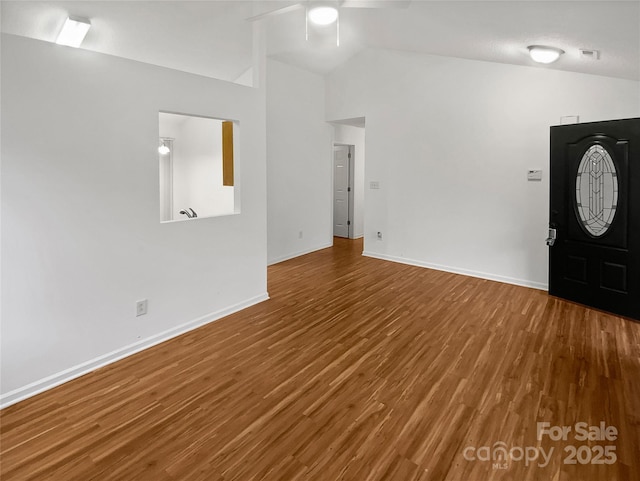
x,y
543,54
73,32
323,15
163,149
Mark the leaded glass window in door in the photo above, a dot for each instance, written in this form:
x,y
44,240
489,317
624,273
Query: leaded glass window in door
x,y
596,191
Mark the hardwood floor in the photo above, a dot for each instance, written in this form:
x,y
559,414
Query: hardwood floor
x,y
356,369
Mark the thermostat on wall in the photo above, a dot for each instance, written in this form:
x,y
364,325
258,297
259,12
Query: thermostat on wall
x,y
569,119
534,175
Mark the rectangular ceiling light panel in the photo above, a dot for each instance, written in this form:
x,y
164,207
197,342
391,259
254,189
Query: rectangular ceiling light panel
x,y
73,32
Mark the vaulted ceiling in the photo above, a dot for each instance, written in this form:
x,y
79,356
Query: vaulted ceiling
x,y
213,38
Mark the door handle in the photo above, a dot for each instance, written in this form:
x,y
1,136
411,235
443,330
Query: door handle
x,y
551,238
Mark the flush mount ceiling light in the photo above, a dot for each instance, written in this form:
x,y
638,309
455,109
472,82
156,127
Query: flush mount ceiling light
x,y
73,32
323,14
543,54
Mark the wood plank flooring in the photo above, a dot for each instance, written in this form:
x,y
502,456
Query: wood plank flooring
x,y
356,369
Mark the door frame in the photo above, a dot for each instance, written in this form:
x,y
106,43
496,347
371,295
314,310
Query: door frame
x,y
165,173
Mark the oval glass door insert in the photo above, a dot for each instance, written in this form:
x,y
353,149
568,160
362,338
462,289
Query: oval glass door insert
x,y
596,190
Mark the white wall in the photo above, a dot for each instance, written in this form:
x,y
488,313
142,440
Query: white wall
x,y
348,134
450,141
81,237
299,161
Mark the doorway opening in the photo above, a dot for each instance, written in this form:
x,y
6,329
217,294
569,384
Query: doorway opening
x,y
348,178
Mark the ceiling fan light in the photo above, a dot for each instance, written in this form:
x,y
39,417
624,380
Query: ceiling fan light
x,y
323,15
543,54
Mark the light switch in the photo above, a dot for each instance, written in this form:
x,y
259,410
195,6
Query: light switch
x,y
534,175
374,184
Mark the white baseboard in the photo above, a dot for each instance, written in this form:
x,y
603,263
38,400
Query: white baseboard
x,y
286,257
74,372
457,270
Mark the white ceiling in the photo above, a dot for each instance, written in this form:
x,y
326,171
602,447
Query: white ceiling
x,y
208,38
213,38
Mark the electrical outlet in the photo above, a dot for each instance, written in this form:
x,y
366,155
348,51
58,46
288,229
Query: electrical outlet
x,y
141,308
379,235
300,235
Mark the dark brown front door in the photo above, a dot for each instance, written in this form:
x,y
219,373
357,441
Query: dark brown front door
x,y
595,211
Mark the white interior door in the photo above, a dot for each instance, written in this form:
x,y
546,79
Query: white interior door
x,y
341,158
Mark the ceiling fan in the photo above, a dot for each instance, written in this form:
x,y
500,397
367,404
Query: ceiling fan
x,y
327,12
